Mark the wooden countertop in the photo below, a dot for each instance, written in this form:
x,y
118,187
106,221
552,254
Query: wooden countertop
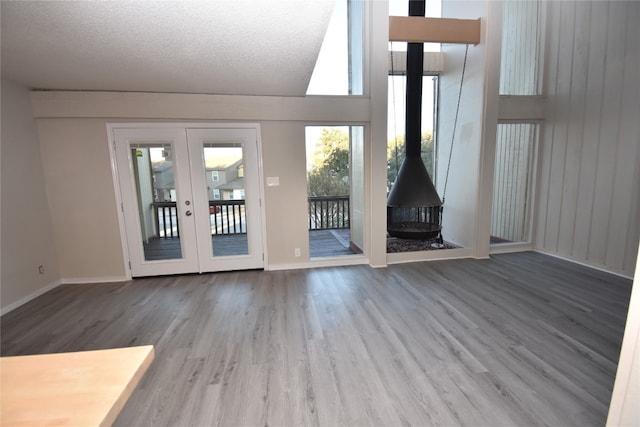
x,y
86,388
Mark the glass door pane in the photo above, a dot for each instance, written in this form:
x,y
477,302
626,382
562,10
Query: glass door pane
x,y
153,173
224,179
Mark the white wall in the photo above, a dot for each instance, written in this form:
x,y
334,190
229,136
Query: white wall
x,y
27,239
588,207
378,28
464,184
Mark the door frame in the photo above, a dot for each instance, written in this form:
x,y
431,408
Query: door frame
x,y
185,125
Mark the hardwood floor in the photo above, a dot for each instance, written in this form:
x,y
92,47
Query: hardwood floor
x,y
518,340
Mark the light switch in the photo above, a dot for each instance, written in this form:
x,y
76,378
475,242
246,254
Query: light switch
x,y
273,181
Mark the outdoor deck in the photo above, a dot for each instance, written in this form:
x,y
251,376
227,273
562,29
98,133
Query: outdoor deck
x,y
322,243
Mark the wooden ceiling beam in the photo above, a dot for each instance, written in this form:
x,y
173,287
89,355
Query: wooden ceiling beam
x,y
418,29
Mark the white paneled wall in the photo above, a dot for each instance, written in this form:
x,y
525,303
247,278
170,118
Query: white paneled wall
x,y
521,24
588,201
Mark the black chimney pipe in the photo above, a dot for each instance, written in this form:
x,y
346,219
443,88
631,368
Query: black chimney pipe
x,y
415,67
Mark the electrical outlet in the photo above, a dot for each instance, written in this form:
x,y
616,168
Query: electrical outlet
x,y
41,269
296,251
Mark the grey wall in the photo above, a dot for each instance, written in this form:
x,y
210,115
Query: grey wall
x,y
27,238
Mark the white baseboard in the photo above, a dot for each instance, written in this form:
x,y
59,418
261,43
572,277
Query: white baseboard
x,y
604,269
34,295
87,280
431,255
322,262
63,281
507,248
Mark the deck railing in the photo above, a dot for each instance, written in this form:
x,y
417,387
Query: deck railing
x,y
328,212
226,217
229,216
166,218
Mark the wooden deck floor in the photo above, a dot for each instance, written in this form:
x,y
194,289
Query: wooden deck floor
x,y
224,245
322,243
516,340
328,243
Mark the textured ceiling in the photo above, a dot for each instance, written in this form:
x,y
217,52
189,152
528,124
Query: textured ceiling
x,y
250,47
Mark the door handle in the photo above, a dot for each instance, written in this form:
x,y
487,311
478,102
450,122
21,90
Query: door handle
x,y
188,213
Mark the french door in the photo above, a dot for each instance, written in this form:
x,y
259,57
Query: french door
x,y
190,198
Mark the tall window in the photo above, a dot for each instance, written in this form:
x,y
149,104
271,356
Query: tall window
x,y
396,125
339,67
513,182
519,65
335,182
516,142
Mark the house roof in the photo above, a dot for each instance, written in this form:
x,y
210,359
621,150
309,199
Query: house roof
x,y
244,47
222,163
236,184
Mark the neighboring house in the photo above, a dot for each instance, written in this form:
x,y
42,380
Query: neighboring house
x,y
164,187
224,178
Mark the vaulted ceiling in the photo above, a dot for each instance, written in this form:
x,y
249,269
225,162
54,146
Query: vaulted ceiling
x,y
248,47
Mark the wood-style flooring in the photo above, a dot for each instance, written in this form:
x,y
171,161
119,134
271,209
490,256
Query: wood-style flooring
x,y
517,340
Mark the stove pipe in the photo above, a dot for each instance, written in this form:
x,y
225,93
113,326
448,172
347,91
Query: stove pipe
x,y
413,202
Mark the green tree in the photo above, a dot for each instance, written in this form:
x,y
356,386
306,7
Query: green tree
x,y
396,153
329,175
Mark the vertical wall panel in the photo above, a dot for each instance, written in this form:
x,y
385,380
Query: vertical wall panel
x,y
609,133
546,134
573,147
591,132
559,126
520,48
588,207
